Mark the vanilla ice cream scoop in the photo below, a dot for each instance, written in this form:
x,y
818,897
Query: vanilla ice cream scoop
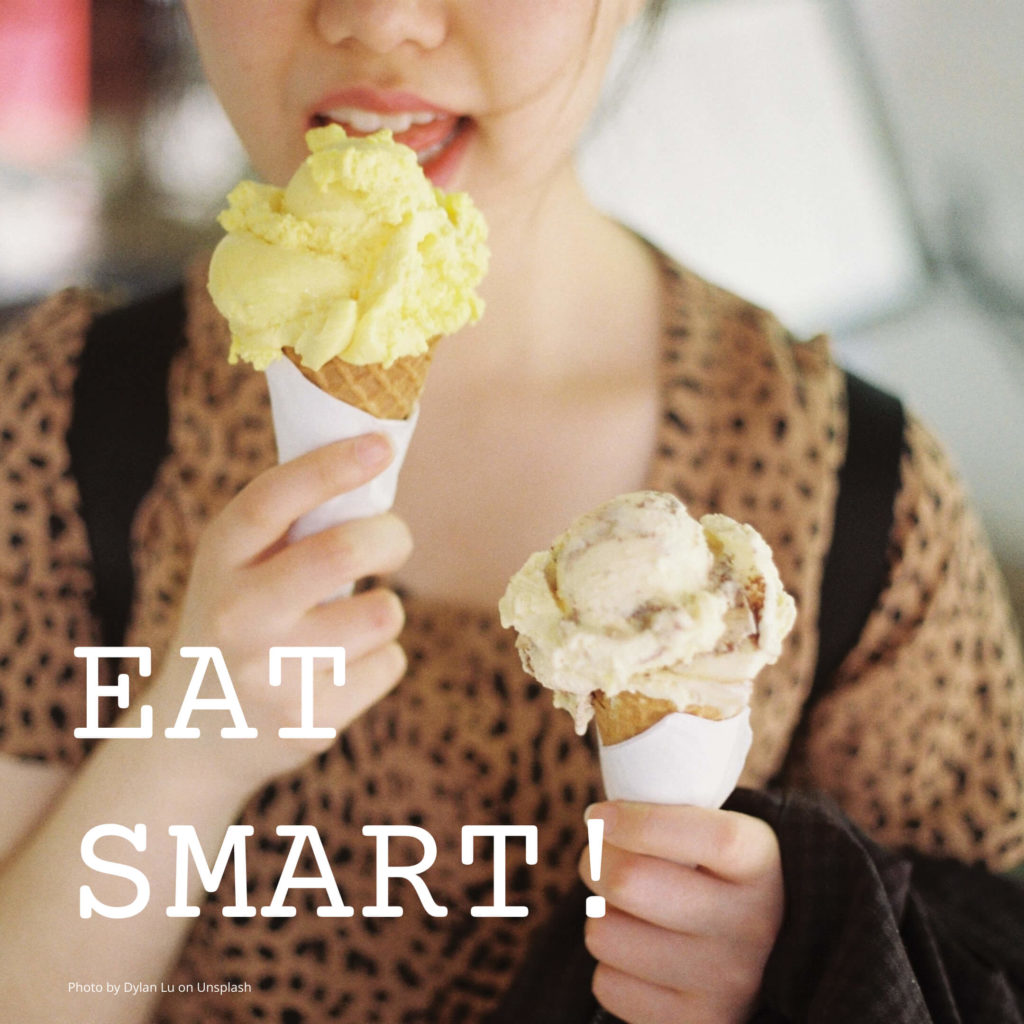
x,y
627,559
637,597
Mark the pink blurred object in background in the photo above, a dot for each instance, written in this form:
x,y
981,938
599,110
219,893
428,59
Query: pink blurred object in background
x,y
44,79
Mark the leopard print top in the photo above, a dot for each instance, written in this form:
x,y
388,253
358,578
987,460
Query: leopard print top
x,y
920,741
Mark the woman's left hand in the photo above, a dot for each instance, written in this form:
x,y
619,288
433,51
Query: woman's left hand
x,y
694,902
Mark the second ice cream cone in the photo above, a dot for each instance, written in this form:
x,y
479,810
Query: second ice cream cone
x,y
625,715
388,393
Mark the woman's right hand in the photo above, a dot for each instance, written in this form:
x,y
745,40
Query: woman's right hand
x,y
250,589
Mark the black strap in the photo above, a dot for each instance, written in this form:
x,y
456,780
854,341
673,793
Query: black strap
x,y
118,437
857,565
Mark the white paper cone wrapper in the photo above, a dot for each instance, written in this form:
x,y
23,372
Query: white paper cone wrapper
x,y
681,759
305,417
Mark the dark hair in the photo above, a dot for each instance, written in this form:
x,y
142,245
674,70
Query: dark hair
x,y
647,26
655,11
653,16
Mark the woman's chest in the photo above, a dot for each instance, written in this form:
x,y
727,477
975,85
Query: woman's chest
x,y
485,485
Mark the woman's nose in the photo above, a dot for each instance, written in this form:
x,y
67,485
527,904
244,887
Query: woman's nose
x,y
383,25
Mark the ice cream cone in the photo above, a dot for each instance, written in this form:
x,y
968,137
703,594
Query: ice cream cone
x,y
388,393
624,715
682,759
638,611
358,261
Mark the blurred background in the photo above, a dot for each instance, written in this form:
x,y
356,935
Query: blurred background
x,y
854,165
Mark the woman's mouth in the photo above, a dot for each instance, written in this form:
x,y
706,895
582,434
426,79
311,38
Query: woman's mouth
x,y
438,138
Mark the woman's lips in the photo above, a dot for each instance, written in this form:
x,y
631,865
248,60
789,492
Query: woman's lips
x,y
421,135
441,162
437,137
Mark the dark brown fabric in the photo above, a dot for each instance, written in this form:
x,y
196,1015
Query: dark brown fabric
x,y
870,936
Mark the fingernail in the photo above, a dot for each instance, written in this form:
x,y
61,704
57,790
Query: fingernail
x,y
604,810
372,450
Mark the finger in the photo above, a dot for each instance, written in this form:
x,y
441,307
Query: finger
x,y
264,510
316,568
359,624
653,954
640,1002
672,896
367,680
687,899
734,847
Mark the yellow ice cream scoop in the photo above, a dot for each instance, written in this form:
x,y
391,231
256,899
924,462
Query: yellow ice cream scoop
x,y
360,259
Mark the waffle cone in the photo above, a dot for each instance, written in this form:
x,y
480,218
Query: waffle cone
x,y
388,394
624,715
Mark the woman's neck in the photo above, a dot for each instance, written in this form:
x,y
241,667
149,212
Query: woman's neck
x,y
557,269
547,406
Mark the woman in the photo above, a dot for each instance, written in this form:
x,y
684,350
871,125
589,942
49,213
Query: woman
x,y
600,367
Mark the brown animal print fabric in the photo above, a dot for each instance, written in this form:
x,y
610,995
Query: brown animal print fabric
x,y
920,742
